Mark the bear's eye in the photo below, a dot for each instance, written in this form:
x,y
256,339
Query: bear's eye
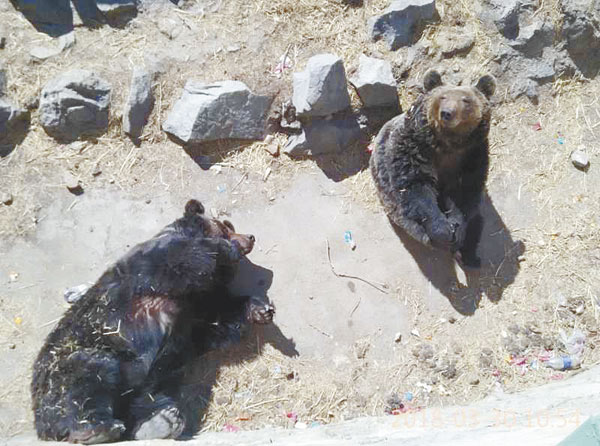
x,y
466,100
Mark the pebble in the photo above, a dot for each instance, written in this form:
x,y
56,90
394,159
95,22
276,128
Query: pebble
x,y
12,346
6,198
73,184
580,159
222,400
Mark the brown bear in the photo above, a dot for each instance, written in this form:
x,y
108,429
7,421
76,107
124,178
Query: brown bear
x,y
112,367
430,166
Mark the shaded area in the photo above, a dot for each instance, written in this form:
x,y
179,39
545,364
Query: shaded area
x,y
16,132
202,374
499,263
355,159
55,17
212,152
340,166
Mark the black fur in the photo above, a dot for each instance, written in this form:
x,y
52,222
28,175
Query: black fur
x,y
108,371
430,183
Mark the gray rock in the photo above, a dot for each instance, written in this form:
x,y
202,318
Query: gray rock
x,y
41,53
525,87
75,104
321,90
515,65
413,56
562,62
66,41
454,43
223,110
324,136
115,8
62,43
402,22
533,38
504,14
580,159
10,116
375,83
51,17
86,12
139,104
540,70
581,30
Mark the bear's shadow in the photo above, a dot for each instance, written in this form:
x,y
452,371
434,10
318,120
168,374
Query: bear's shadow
x,y
202,374
499,263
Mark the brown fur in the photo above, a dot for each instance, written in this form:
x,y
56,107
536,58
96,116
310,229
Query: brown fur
x,y
430,165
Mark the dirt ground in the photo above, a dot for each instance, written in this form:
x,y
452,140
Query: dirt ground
x,y
406,321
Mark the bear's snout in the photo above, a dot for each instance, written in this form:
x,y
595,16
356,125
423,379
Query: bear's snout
x,y
447,114
245,242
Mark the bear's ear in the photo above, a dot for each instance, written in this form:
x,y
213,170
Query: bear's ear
x,y
229,225
193,207
432,79
487,85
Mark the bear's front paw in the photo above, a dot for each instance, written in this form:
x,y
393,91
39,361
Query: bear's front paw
x,y
259,312
442,234
99,433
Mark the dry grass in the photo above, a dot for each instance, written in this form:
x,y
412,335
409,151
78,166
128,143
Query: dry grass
x,y
562,245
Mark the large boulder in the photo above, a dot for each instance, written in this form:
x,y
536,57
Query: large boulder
x,y
223,110
533,38
53,17
375,83
581,30
75,104
320,89
402,23
504,14
139,104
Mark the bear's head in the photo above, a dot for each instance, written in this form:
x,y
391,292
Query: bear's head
x,y
211,227
457,111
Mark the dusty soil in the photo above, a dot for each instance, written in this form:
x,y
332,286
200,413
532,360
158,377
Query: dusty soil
x,y
407,321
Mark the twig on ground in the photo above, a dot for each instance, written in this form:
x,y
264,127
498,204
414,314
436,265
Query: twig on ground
x,y
355,306
380,288
321,331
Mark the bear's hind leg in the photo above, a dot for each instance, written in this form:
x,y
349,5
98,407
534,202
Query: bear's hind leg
x,y
79,404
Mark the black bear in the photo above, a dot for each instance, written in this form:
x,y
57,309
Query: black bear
x,y
430,166
112,367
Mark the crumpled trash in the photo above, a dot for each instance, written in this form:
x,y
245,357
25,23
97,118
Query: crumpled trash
x,y
74,293
575,343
